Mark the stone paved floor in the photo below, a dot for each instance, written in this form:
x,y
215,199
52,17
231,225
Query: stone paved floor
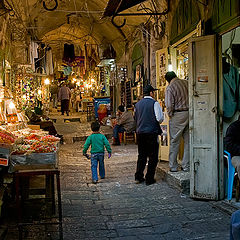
x,y
117,208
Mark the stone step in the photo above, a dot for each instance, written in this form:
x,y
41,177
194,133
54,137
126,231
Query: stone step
x,y
72,119
73,139
179,180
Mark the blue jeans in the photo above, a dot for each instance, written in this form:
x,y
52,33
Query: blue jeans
x,y
235,226
95,158
117,129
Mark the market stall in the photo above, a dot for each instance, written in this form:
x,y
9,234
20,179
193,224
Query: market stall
x,y
21,147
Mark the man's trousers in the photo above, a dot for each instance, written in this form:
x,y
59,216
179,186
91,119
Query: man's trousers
x,y
178,127
147,148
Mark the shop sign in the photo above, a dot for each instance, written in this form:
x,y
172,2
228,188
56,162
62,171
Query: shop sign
x,y
4,162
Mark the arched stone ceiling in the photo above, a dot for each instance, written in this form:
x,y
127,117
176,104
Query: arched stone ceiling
x,y
75,21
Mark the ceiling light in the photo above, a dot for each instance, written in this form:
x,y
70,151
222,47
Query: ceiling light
x,y
47,82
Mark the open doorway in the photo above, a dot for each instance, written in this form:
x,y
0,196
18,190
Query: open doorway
x,y
231,84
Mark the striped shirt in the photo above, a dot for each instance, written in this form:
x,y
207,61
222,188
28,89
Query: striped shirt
x,y
176,96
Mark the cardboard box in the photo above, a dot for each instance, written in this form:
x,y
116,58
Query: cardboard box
x,y
34,127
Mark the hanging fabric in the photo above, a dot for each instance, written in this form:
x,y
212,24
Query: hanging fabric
x,y
49,61
41,61
33,52
68,54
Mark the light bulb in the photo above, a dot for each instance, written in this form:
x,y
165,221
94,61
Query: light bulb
x,y
47,82
11,105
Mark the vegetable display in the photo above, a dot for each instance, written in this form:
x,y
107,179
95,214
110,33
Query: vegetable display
x,y
6,137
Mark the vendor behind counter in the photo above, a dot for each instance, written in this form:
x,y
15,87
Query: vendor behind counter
x,y
45,124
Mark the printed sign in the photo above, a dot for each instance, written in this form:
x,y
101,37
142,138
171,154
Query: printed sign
x,y
4,161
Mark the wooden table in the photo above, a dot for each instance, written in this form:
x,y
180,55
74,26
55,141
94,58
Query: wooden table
x,y
49,192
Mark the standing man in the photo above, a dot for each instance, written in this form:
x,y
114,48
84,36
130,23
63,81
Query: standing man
x,y
148,116
176,100
64,96
54,93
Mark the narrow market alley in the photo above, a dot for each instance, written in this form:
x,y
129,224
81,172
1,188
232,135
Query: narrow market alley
x,y
117,207
160,79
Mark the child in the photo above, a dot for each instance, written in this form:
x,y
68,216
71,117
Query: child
x,y
97,142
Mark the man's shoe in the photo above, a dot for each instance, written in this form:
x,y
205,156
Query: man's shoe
x,y
94,181
173,170
138,181
150,182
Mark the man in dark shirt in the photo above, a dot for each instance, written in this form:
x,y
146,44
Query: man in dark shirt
x,y
148,116
232,143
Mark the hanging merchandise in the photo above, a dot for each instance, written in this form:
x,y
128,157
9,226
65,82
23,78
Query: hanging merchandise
x,y
33,51
40,63
68,54
49,61
67,70
231,101
27,88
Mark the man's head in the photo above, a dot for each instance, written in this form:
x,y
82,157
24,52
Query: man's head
x,y
130,107
170,75
95,126
121,108
148,90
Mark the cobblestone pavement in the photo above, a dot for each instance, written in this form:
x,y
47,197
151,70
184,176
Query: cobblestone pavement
x,y
117,208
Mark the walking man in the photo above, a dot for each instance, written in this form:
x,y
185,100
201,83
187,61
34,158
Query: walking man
x,y
148,116
176,100
64,96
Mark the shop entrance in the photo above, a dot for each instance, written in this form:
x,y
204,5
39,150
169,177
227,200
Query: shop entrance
x,y
173,58
230,61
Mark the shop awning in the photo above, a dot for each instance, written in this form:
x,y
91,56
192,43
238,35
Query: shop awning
x,y
117,6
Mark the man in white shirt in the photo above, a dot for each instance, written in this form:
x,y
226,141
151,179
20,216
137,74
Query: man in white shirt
x,y
148,116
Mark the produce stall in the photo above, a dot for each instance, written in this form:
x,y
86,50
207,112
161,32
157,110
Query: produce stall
x,y
22,148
